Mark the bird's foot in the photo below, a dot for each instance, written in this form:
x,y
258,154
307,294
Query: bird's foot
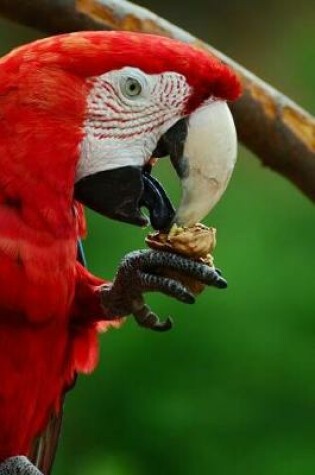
x,y
19,465
146,271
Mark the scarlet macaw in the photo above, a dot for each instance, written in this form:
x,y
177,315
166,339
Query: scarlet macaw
x,y
81,117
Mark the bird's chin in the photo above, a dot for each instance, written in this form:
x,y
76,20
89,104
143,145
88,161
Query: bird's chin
x,y
123,193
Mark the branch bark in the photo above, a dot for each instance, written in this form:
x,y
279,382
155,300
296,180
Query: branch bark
x,y
276,129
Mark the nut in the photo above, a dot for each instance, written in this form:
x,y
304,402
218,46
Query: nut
x,y
196,242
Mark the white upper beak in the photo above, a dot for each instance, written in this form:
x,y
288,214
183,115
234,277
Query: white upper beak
x,y
209,155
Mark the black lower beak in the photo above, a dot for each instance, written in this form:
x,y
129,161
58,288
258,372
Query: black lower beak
x,y
155,199
120,193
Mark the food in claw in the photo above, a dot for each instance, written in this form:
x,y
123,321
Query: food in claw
x,y
197,242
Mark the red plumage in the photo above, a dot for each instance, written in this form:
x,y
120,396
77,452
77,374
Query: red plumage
x,y
49,304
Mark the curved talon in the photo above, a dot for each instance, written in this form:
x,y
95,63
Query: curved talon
x,y
221,283
148,319
164,326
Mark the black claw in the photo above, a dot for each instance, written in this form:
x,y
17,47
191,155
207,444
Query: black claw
x,y
212,277
164,326
221,283
152,322
148,319
188,298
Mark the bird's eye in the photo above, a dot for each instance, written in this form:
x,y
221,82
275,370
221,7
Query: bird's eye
x,y
131,87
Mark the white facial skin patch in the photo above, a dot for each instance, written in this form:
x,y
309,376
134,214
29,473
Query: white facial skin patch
x,y
127,113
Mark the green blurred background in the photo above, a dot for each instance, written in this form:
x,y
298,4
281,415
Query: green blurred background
x,y
231,390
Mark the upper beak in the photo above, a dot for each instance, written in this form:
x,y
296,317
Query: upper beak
x,y
202,148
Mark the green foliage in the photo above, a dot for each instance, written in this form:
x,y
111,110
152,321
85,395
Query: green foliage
x,y
231,390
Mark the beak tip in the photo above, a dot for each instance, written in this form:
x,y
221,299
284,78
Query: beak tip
x,y
155,199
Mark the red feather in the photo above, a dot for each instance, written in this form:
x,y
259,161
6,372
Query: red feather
x,y
93,53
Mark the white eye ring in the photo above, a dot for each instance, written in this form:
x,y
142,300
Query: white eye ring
x,y
131,87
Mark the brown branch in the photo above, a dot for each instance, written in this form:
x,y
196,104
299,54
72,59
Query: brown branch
x,y
271,125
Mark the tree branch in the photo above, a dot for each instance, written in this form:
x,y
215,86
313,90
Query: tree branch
x,y
271,125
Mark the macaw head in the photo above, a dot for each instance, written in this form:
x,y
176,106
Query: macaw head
x,y
106,103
